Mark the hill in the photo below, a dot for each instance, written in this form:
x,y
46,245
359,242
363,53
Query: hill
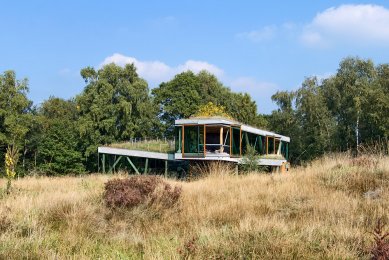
x,y
325,210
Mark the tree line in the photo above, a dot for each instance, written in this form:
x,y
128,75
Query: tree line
x,y
61,136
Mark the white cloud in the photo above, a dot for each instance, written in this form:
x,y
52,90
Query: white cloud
x,y
264,34
358,24
157,71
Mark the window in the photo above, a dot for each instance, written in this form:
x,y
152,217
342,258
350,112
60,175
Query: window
x,y
235,142
193,140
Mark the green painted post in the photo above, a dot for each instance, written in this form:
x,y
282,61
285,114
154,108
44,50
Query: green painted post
x,y
103,163
114,164
179,139
132,165
146,165
166,168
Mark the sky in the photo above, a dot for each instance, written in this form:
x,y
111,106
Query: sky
x,y
258,47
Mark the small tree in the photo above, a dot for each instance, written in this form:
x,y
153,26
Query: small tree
x,y
211,109
250,160
11,159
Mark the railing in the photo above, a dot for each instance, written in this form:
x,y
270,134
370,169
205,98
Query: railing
x,y
216,148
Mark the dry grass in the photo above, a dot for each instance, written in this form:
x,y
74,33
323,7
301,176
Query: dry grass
x,y
161,146
322,211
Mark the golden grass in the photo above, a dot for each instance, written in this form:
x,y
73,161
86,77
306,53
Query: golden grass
x,y
321,211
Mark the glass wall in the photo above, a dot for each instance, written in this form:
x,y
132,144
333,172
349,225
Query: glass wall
x,y
255,141
193,141
285,149
235,142
270,145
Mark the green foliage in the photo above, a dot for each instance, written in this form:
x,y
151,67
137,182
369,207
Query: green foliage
x,y
14,107
250,160
187,92
114,106
210,109
338,113
15,112
59,150
11,160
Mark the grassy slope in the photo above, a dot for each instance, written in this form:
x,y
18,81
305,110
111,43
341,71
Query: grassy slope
x,y
316,212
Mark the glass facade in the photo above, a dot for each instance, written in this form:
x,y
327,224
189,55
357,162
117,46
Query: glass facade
x,y
270,145
235,142
255,141
222,140
193,140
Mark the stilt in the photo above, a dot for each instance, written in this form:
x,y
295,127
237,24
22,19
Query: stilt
x,y
114,164
166,168
132,165
103,163
146,165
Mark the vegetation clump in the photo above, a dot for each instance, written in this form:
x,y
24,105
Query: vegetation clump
x,y
137,190
212,110
380,250
11,159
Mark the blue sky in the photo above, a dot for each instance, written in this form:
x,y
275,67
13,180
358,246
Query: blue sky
x,y
257,47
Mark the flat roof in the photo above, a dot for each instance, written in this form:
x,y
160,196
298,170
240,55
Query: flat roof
x,y
135,153
223,121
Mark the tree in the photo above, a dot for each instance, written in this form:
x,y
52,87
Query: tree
x,y
114,106
59,147
314,117
284,121
14,111
346,96
182,96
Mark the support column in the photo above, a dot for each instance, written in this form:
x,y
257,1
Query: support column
x,y
103,163
146,165
112,168
132,165
166,168
221,140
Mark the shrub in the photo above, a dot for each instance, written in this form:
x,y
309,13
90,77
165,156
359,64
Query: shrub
x,y
380,250
137,190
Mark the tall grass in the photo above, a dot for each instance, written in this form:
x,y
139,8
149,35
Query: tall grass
x,y
321,211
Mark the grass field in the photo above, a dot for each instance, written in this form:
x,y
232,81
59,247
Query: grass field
x,y
325,210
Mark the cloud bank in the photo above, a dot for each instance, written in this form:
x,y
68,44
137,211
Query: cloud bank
x,y
357,24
